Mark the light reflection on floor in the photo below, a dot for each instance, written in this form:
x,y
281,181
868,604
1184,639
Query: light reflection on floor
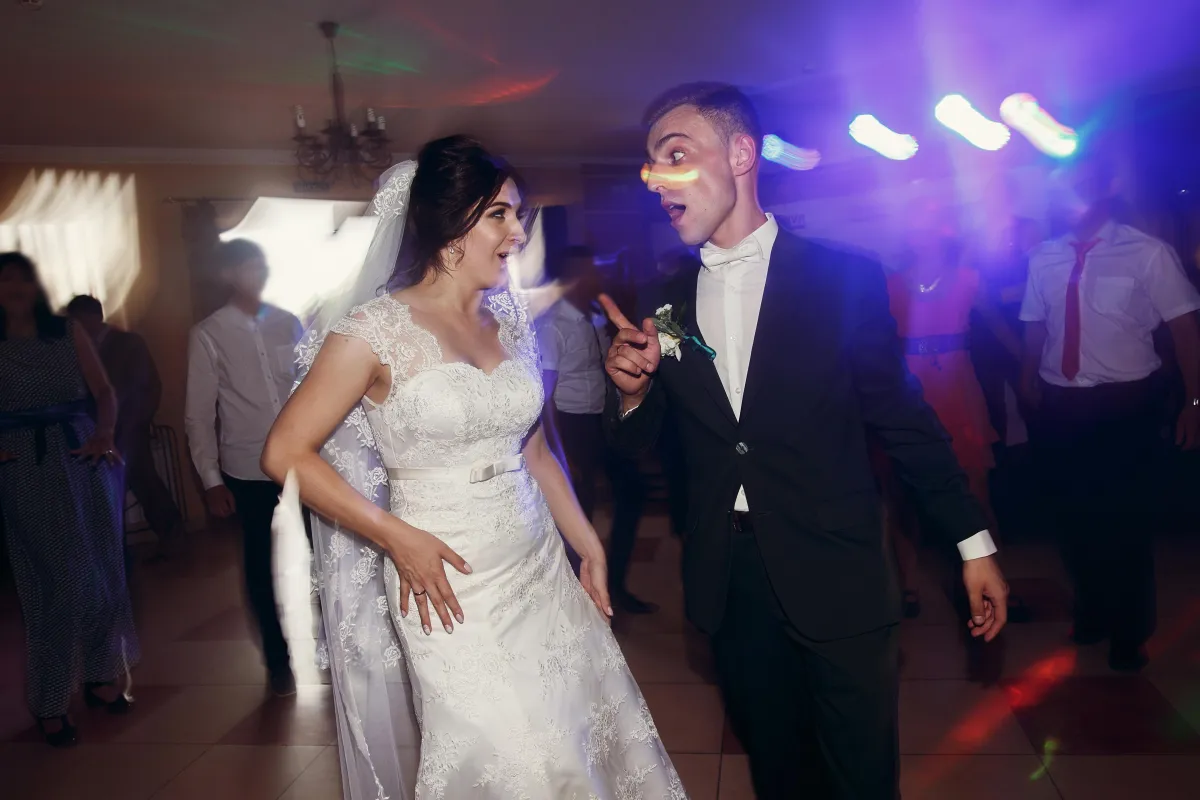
x,y
1055,724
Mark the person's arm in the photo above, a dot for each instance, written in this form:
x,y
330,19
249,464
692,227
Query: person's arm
x,y
919,447
101,443
550,417
200,410
550,350
569,518
634,408
1036,334
1033,314
343,373
1176,301
995,322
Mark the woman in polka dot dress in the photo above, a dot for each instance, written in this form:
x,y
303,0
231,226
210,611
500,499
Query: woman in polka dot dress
x,y
59,492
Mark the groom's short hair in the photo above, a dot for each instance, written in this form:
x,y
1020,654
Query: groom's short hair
x,y
726,108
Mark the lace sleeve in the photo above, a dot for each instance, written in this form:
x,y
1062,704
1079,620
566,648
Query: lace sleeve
x,y
516,326
367,323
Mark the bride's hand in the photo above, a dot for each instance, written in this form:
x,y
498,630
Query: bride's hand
x,y
593,574
418,557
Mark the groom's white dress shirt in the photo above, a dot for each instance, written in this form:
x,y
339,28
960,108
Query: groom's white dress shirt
x,y
729,293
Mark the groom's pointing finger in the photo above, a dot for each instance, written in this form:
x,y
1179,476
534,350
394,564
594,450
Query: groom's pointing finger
x,y
613,313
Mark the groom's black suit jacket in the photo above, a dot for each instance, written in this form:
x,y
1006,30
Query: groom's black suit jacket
x,y
826,369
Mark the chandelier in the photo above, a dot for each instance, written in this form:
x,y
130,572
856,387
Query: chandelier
x,y
342,148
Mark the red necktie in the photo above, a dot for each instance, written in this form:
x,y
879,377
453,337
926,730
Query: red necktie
x,y
1070,359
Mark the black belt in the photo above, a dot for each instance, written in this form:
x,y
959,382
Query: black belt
x,y
741,522
39,419
932,345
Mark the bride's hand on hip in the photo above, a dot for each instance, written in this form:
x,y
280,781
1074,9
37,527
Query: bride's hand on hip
x,y
419,558
593,574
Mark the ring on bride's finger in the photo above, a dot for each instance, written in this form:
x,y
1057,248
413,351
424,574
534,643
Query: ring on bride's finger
x,y
418,594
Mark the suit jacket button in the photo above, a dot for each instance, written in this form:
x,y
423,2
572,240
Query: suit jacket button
x,y
742,448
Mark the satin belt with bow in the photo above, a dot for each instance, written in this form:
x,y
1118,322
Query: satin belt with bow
x,y
289,515
713,257
476,473
39,419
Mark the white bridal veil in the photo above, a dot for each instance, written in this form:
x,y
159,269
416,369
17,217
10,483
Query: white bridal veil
x,y
378,733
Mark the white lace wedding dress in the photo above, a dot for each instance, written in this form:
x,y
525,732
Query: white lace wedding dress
x,y
530,698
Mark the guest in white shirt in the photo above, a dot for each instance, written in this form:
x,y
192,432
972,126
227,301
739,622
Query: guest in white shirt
x,y
1092,303
572,340
241,367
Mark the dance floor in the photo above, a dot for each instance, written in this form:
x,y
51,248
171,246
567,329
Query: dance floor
x,y
1035,718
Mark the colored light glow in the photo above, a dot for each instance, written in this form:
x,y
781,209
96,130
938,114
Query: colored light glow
x,y
871,133
958,115
788,155
667,174
1022,112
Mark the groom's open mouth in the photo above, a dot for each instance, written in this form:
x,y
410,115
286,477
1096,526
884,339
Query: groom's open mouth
x,y
674,210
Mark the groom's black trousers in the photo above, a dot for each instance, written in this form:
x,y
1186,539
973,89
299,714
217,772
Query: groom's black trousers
x,y
817,719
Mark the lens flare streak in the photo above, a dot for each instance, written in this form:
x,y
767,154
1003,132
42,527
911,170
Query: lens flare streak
x,y
788,155
668,175
873,134
957,114
1021,111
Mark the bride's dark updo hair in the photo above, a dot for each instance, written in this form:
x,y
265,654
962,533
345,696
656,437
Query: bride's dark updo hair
x,y
456,181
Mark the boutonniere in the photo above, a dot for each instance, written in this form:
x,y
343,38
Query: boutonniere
x,y
671,335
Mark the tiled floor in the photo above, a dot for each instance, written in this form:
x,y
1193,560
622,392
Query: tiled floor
x,y
1037,719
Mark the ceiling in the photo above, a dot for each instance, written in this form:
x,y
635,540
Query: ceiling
x,y
559,79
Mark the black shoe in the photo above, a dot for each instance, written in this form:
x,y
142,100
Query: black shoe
x,y
283,682
63,737
1127,657
92,700
912,604
626,601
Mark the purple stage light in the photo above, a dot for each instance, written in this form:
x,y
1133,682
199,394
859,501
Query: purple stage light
x,y
1022,112
870,132
788,155
958,115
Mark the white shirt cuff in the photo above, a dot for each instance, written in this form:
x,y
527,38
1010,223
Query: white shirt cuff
x,y
621,417
978,546
213,478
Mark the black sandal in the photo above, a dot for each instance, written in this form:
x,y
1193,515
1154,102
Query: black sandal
x,y
63,737
92,700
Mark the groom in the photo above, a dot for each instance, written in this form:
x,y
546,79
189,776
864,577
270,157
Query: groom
x,y
784,563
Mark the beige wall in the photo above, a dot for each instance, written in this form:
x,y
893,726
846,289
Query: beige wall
x,y
159,306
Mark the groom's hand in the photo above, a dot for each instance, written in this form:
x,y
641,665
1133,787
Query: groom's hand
x,y
988,594
633,357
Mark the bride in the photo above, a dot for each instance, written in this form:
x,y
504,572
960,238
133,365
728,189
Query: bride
x,y
518,688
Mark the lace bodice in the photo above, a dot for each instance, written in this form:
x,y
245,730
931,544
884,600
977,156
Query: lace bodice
x,y
440,414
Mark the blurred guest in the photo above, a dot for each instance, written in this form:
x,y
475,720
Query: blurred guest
x,y
932,298
996,345
1094,298
241,367
573,342
59,491
135,379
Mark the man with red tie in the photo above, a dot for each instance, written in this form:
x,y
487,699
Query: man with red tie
x,y
1092,302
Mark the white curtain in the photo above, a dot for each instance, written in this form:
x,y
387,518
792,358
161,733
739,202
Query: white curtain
x,y
81,229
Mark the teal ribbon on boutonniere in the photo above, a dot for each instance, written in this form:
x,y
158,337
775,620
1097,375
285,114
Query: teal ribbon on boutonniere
x,y
671,334
702,347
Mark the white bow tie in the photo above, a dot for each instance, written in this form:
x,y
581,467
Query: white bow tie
x,y
713,257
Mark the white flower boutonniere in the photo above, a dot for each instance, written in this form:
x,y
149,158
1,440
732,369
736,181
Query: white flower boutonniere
x,y
671,335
